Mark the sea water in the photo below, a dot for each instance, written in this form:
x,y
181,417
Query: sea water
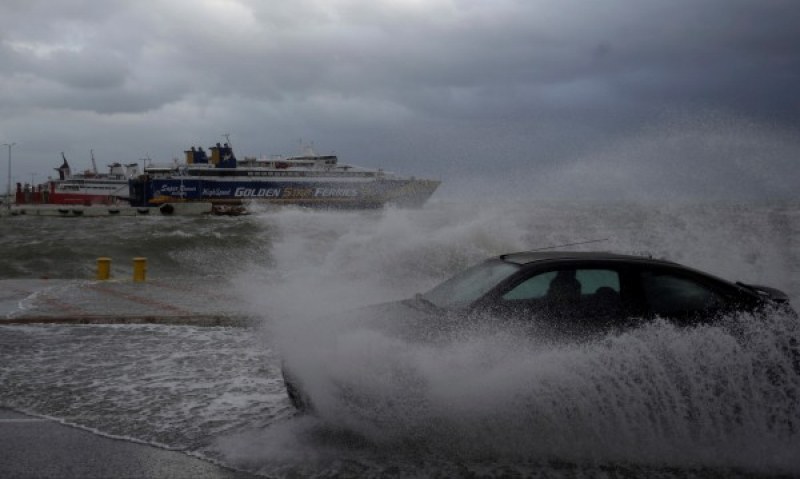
x,y
657,400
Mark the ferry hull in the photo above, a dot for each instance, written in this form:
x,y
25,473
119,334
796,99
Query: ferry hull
x,y
327,194
79,199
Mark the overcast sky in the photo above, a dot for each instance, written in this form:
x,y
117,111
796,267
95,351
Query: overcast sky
x,y
612,98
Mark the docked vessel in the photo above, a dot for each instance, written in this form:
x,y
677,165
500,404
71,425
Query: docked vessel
x,y
87,188
308,180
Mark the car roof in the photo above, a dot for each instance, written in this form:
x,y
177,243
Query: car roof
x,y
527,257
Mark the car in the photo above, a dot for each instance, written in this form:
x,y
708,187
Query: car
x,y
567,295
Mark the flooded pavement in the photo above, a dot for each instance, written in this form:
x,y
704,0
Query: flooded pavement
x,y
43,448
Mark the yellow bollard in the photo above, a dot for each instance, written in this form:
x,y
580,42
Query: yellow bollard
x,y
103,268
139,269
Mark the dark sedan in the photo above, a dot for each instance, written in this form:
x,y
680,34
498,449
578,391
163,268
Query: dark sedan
x,y
566,295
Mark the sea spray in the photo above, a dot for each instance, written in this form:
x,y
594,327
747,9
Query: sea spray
x,y
714,396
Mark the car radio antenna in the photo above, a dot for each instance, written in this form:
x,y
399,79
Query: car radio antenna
x,y
569,244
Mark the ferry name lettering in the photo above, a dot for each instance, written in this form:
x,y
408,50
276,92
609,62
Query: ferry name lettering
x,y
243,192
216,192
177,189
328,192
296,193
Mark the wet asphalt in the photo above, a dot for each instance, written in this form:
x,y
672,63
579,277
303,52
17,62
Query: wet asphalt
x,y
32,447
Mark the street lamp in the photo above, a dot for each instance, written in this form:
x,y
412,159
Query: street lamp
x,y
8,190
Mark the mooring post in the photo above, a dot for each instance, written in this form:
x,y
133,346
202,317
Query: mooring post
x,y
103,268
139,269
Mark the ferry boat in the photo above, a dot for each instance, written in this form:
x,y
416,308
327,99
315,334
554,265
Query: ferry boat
x,y
87,188
308,180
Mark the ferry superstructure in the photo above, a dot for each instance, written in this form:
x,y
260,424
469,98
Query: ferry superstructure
x,y
307,180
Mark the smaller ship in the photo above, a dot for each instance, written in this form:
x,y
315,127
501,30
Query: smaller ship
x,y
307,180
87,188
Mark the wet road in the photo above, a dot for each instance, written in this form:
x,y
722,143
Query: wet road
x,y
31,447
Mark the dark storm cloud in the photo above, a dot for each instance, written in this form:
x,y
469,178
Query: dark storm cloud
x,y
640,51
437,85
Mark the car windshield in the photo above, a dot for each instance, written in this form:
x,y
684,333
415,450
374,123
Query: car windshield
x,y
470,284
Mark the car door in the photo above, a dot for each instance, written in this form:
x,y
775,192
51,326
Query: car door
x,y
569,298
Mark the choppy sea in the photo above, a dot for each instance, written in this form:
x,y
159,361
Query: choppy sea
x,y
655,401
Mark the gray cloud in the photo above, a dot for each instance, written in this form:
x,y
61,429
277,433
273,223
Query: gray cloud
x,y
431,87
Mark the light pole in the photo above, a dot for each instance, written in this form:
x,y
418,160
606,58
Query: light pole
x,y
8,190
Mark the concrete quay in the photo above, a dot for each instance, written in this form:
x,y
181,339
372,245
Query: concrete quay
x,y
28,301
78,210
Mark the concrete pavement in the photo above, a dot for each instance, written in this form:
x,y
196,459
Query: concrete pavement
x,y
117,301
39,448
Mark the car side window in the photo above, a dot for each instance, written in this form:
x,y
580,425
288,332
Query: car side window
x,y
669,294
532,288
574,284
594,280
568,301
